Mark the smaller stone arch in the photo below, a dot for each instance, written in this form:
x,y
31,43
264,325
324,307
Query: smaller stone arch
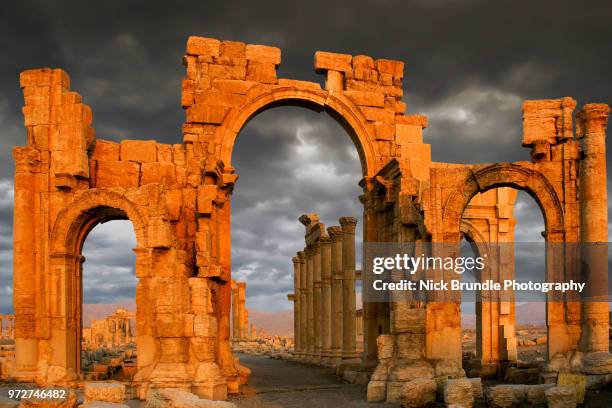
x,y
339,106
472,233
516,175
68,234
75,221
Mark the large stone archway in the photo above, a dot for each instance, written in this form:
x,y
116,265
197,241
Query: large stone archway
x,y
339,107
178,196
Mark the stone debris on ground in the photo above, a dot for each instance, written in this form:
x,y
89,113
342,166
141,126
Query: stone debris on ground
x,y
459,393
574,380
104,391
176,398
416,393
561,397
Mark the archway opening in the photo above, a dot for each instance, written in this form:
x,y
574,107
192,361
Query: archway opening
x,y
290,161
506,225
108,306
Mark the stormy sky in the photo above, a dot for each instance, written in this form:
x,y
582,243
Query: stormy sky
x,y
468,66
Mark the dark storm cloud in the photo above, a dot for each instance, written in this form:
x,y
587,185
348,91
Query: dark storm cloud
x,y
108,271
469,64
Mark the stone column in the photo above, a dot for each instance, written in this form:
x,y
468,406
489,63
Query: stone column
x,y
245,325
326,295
592,122
371,318
310,305
303,294
349,340
335,234
241,309
316,298
235,323
296,305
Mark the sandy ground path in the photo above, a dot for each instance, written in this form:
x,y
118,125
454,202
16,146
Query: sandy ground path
x,y
276,383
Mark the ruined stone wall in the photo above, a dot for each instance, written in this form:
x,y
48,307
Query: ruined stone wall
x,y
70,182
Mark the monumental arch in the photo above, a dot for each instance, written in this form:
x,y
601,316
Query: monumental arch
x,y
178,198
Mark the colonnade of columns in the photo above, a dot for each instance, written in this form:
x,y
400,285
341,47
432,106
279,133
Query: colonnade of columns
x,y
240,315
7,326
324,292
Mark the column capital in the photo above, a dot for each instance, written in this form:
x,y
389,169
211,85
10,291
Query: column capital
x,y
307,219
348,224
315,247
325,240
592,118
308,252
335,232
301,256
295,260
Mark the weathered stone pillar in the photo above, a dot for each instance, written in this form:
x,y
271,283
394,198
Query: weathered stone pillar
x,y
24,267
349,343
235,314
316,298
245,325
335,234
310,338
303,293
370,309
241,309
592,122
296,305
326,295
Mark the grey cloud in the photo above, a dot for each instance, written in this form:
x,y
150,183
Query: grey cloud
x,y
6,246
109,268
468,66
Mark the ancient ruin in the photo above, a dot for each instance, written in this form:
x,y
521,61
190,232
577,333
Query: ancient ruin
x,y
7,327
114,330
178,200
324,293
240,315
